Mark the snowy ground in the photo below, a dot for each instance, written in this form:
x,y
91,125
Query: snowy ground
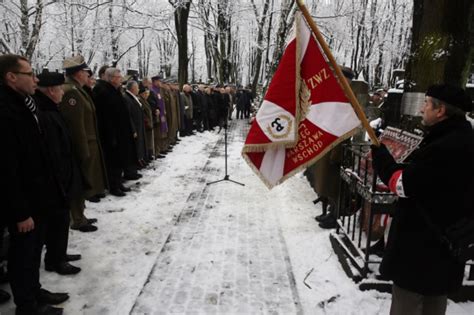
x,y
177,245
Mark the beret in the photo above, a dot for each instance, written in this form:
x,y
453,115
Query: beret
x,y
451,95
47,78
156,77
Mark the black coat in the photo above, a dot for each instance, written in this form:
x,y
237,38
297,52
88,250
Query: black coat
x,y
28,187
439,181
59,145
115,126
138,125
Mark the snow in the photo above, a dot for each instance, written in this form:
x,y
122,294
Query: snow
x,y
177,245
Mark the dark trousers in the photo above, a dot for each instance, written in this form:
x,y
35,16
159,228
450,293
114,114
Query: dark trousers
x,y
240,114
247,112
408,302
205,122
24,259
115,177
56,228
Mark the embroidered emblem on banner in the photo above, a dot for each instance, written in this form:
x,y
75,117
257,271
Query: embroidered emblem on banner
x,y
280,127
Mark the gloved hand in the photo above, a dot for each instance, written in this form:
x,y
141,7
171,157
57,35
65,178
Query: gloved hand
x,y
383,162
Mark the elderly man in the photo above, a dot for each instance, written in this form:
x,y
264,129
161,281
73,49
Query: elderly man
x,y
117,136
58,142
135,108
78,110
435,190
28,189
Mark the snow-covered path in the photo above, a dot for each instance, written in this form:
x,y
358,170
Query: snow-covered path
x,y
177,245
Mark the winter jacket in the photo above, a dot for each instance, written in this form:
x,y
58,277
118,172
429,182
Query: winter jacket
x,y
438,184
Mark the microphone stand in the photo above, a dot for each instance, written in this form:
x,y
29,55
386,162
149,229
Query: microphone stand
x,y
226,176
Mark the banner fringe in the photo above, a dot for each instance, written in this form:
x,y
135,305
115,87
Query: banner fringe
x,y
301,167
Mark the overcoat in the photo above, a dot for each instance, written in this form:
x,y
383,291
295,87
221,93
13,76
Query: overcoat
x,y
28,187
115,124
79,113
138,126
148,123
59,145
439,185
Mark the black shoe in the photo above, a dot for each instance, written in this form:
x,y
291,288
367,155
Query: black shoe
x,y
322,217
124,189
63,268
85,228
101,195
160,156
117,192
4,296
91,220
94,199
46,297
73,257
329,223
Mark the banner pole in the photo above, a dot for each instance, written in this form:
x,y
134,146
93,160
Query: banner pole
x,y
345,85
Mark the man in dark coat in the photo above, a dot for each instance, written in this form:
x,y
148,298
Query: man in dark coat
x,y
435,190
67,174
135,108
204,104
116,130
28,188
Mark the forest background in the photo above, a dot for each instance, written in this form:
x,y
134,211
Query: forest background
x,y
220,41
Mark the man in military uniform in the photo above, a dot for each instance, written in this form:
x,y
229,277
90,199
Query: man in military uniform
x,y
28,190
78,110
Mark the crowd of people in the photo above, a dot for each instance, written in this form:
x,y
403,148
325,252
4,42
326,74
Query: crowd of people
x,y
70,138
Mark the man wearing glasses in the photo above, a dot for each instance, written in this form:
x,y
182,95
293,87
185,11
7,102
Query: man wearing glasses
x,y
28,190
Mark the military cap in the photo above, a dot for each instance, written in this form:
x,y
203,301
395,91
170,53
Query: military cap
x,y
74,64
156,77
452,95
47,78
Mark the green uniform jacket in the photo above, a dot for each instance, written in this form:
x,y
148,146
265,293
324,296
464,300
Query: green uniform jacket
x,y
79,112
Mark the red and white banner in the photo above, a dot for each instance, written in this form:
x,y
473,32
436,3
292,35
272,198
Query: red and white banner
x,y
305,113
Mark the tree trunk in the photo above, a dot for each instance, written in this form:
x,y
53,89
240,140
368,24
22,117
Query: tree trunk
x,y
181,15
259,49
443,45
